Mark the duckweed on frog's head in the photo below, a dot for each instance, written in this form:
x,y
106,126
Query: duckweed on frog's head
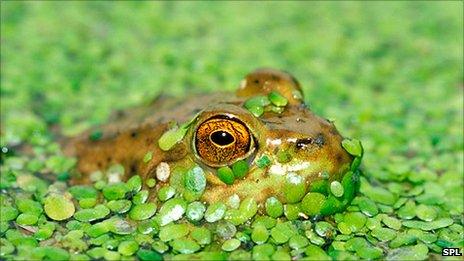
x,y
261,142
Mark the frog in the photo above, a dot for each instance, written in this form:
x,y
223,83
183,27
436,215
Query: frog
x,y
265,126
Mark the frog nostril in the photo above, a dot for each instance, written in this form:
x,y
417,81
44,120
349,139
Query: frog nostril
x,y
303,143
320,140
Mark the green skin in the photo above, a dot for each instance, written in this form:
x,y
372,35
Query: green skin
x,y
311,145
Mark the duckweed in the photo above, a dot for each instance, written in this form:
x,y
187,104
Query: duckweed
x,y
336,188
195,180
142,211
141,197
353,147
260,234
26,219
240,169
294,187
377,194
87,202
408,210
148,156
439,223
298,242
172,136
324,229
58,207
367,206
281,255
426,213
277,99
233,201
256,105
259,100
119,206
8,213
283,156
263,162
88,215
6,247
173,231
98,229
147,226
166,193
312,203
185,246
160,246
316,253
147,255
151,182
235,216
215,212
230,244
292,211
43,233
195,211
128,248
115,191
355,221
226,175
248,207
202,235
392,222
410,202
263,251
171,211
274,208
225,229
402,239
29,206
383,233
280,234
134,183
417,252
256,110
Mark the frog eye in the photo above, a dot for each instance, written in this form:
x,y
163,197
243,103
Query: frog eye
x,y
220,141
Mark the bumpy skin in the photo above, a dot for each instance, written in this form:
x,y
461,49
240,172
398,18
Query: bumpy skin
x,y
313,142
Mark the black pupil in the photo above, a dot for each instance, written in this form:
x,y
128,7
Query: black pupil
x,y
222,138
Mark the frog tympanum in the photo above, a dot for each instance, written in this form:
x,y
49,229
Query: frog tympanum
x,y
260,141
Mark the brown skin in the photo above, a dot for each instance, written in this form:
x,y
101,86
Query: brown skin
x,y
313,143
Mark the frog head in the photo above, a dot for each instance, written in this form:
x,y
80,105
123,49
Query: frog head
x,y
268,127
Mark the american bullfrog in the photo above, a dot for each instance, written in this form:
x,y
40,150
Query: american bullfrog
x,y
260,141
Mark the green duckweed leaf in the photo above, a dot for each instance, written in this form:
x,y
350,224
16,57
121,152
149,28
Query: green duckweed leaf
x,y
277,99
353,146
172,136
58,207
